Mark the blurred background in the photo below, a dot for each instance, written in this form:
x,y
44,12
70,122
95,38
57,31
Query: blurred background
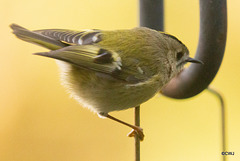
x,y
40,122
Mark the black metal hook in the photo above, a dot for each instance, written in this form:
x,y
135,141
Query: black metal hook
x,y
211,46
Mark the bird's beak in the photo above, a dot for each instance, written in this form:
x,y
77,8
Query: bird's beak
x,y
191,60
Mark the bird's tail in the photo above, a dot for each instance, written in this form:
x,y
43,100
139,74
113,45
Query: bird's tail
x,y
36,38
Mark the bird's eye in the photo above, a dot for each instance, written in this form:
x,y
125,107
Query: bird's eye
x,y
179,55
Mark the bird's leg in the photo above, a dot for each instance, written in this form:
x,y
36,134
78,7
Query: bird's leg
x,y
136,130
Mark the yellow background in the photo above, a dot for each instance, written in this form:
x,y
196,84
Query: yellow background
x,y
39,122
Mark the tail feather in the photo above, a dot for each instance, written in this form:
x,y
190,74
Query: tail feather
x,y
36,38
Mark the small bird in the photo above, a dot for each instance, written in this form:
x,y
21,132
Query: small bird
x,y
109,71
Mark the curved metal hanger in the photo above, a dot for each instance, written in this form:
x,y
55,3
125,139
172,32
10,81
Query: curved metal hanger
x,y
211,46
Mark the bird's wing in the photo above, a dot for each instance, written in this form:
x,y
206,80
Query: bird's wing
x,y
84,52
72,37
88,56
57,38
36,38
81,48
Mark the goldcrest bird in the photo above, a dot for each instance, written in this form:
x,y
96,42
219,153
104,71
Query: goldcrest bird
x,y
109,71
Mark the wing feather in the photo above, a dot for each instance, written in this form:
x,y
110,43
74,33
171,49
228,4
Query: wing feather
x,y
87,56
72,37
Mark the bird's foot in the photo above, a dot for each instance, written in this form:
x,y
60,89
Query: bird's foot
x,y
137,131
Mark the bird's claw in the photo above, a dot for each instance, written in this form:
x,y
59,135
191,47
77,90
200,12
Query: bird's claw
x,y
137,132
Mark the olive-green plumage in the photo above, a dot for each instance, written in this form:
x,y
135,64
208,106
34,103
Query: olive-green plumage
x,y
111,70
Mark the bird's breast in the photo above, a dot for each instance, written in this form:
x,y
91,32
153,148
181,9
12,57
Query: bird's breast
x,y
102,94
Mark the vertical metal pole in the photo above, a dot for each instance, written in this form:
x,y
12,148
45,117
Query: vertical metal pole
x,y
137,140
